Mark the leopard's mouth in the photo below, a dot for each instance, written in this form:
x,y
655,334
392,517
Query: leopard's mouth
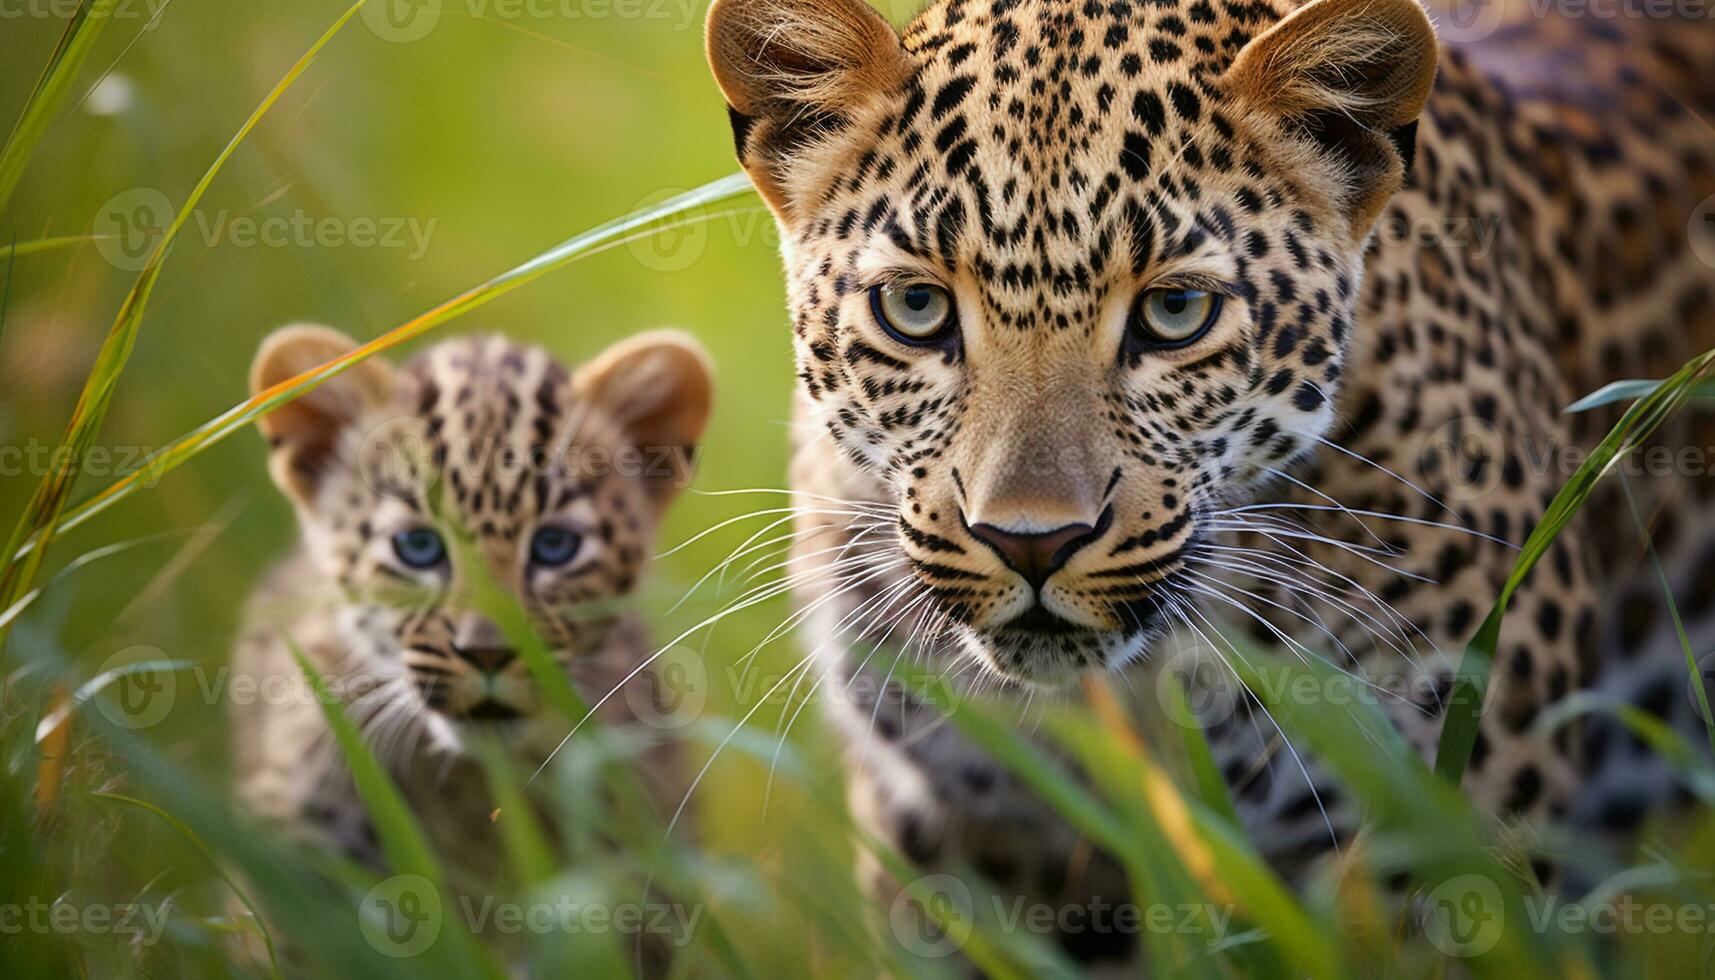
x,y
1041,649
1039,620
490,709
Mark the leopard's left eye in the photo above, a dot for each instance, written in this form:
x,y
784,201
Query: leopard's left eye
x,y
1168,318
552,546
420,547
913,313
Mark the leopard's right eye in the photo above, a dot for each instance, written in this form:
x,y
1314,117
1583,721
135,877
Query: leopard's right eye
x,y
915,313
420,547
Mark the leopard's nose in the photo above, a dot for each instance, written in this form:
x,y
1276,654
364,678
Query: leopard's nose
x,y
489,660
1037,555
480,643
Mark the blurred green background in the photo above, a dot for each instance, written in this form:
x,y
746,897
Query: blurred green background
x,y
502,130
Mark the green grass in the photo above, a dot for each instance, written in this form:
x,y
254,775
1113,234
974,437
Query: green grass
x,y
541,140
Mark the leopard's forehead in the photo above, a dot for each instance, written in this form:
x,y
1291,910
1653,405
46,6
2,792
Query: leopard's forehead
x,y
1047,46
509,438
1055,149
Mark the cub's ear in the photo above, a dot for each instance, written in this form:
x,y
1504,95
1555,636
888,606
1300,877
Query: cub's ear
x,y
304,435
659,387
1350,77
791,71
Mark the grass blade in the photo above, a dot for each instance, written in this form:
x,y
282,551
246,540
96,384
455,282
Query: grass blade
x,y
42,518
402,839
1465,703
16,249
1696,673
1626,391
208,854
51,88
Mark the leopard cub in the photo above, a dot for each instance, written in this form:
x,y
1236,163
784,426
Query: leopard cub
x,y
480,463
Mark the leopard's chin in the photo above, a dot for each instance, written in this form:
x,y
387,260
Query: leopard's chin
x,y
523,735
1028,655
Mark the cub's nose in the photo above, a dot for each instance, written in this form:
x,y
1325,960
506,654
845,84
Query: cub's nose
x,y
489,660
480,643
1037,555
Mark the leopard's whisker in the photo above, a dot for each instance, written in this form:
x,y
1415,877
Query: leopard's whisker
x,y
1183,612
752,572
748,546
1360,457
1379,515
1356,551
1307,561
880,601
1301,588
871,571
1303,652
1282,474
792,511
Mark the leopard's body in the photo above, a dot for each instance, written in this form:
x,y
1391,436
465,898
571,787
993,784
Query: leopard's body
x,y
406,482
1043,162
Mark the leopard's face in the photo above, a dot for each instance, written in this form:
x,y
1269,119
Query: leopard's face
x,y
1068,279
481,467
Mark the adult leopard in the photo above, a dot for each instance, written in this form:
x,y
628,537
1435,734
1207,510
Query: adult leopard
x,y
1089,293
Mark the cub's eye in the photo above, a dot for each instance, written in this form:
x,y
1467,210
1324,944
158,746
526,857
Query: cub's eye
x,y
420,547
913,313
1168,318
552,546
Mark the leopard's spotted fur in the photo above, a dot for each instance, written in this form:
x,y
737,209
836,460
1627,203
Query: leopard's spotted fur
x,y
485,442
1045,161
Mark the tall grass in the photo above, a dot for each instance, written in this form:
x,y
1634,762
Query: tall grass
x,y
18,564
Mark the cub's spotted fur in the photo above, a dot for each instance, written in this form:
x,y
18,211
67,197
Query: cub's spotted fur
x,y
1088,293
478,450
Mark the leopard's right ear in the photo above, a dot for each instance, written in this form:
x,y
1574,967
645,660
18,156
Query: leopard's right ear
x,y
791,71
304,435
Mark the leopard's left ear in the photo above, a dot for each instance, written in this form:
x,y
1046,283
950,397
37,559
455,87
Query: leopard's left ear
x,y
305,436
659,387
793,71
1349,77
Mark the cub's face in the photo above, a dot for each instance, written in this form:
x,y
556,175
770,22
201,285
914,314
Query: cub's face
x,y
480,465
1071,279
